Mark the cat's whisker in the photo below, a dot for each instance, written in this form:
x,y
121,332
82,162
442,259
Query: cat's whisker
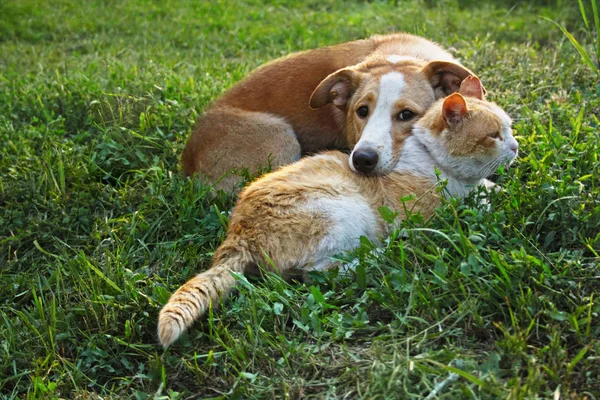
x,y
491,167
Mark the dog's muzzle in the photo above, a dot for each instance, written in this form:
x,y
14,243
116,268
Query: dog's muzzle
x,y
365,161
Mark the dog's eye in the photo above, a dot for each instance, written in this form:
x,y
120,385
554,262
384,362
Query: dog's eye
x,y
406,115
362,111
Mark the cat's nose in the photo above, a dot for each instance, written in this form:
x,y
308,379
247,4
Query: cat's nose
x,y
514,147
365,161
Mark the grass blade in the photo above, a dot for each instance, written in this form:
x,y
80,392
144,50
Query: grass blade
x,y
101,274
584,55
582,10
469,377
577,358
597,23
577,124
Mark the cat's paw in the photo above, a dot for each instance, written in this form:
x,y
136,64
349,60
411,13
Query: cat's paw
x,y
489,185
484,202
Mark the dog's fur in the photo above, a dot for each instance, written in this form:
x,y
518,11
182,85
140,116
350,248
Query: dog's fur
x,y
306,102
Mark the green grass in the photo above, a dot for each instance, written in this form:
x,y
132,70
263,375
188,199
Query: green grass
x,y
97,226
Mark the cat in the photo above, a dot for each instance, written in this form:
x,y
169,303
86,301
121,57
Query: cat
x,y
302,214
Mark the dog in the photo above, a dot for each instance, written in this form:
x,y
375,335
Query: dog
x,y
363,95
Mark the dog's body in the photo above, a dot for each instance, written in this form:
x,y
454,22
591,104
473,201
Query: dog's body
x,y
267,116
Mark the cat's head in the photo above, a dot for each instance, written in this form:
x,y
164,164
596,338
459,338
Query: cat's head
x,y
467,136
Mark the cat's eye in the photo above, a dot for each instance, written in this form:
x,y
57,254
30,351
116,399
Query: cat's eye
x,y
362,111
406,115
494,135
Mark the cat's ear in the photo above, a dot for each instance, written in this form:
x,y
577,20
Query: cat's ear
x,y
471,87
337,89
454,109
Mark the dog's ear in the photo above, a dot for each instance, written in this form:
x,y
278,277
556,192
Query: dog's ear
x,y
471,87
337,89
454,109
446,77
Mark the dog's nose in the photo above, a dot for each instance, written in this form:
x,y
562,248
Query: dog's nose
x,y
365,161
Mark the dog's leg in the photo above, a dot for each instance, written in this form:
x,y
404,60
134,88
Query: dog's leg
x,y
227,138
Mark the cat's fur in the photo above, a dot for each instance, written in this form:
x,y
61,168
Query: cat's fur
x,y
304,213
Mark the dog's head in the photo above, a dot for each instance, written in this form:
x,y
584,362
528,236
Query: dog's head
x,y
382,99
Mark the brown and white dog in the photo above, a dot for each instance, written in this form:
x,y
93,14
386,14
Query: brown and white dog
x,y
363,95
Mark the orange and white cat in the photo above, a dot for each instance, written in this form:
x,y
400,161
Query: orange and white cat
x,y
305,213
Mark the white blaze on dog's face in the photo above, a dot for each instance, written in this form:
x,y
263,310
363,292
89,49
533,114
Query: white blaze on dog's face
x,y
396,58
380,118
383,98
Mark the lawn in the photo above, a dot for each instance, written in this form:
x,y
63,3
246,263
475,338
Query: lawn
x,y
98,227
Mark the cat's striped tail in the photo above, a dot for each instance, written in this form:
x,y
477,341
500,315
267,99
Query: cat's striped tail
x,y
192,299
